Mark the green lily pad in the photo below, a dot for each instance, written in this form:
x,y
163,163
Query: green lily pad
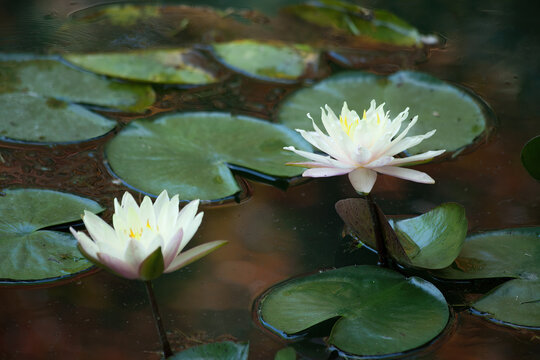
x,y
47,120
269,61
378,26
287,353
430,241
530,157
497,254
458,117
515,302
31,254
510,253
51,78
191,153
226,350
163,66
379,310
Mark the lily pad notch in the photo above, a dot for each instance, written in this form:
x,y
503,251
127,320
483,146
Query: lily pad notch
x,y
191,154
30,254
379,311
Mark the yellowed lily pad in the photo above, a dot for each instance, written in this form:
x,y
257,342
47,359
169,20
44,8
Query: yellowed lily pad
x,y
162,66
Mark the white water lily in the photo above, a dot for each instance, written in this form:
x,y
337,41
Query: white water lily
x,y
145,241
363,147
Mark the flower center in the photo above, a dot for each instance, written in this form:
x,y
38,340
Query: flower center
x,y
137,234
349,128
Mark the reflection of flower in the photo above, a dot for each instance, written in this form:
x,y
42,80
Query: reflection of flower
x,y
363,147
146,241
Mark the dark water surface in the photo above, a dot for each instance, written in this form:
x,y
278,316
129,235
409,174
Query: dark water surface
x,y
492,48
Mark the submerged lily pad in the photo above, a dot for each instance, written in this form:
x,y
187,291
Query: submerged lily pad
x,y
458,117
267,60
530,157
430,241
379,310
163,66
504,253
190,153
29,253
378,26
54,79
226,350
38,119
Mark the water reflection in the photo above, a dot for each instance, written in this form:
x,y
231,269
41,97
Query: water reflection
x,y
278,234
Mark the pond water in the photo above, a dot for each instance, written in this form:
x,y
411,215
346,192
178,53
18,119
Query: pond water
x,y
492,48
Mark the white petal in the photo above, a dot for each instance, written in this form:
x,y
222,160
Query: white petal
x,y
161,202
323,160
190,229
406,143
87,245
99,230
420,157
363,179
382,161
325,172
407,174
171,248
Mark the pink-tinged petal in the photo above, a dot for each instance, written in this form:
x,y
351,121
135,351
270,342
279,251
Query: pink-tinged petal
x,y
363,180
99,230
89,247
193,254
407,174
118,266
171,248
428,155
326,172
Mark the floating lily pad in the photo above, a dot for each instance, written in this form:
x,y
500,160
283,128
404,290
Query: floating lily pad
x,y
169,66
497,254
458,117
54,79
515,302
379,310
431,241
226,350
29,253
287,353
190,153
530,157
267,60
38,119
378,26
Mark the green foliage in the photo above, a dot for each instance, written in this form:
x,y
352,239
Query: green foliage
x,y
430,241
379,310
378,26
53,79
169,66
457,116
29,253
266,60
189,154
504,253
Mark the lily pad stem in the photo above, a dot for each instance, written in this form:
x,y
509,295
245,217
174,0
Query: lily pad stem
x,y
167,352
377,229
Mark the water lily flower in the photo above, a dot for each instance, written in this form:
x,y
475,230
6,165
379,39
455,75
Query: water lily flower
x,y
363,147
144,241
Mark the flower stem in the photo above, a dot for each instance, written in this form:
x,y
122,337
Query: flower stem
x,y
379,236
167,352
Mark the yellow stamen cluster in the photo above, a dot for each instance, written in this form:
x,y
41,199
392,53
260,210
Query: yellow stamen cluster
x,y
137,235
